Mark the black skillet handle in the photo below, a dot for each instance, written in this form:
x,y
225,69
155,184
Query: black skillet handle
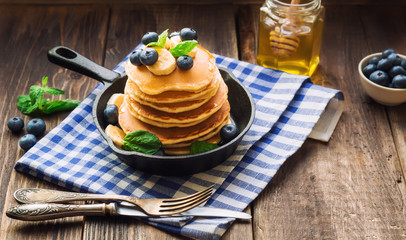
x,y
66,57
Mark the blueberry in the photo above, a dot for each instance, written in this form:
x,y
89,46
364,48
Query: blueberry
x,y
403,64
27,141
149,56
173,34
399,81
387,52
394,59
368,69
36,126
228,132
111,114
379,77
384,64
185,62
374,60
188,34
396,70
149,37
135,58
15,124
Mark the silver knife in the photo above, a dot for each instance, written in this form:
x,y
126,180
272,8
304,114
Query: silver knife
x,y
46,211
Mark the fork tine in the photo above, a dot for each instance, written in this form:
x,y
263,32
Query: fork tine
x,y
184,201
176,200
185,207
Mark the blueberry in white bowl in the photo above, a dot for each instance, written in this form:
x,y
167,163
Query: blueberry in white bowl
x,y
386,85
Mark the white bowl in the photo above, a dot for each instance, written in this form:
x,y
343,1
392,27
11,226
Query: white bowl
x,y
383,95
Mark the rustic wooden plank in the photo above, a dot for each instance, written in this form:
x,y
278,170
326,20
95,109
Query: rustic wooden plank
x,y
127,26
392,31
347,188
130,22
199,2
27,33
247,20
115,2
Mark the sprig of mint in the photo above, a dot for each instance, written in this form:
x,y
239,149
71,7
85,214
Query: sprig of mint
x,y
180,49
34,103
161,40
201,147
141,141
183,48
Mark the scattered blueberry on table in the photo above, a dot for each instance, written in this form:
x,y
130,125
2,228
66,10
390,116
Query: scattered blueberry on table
x,y
387,70
15,124
36,127
27,141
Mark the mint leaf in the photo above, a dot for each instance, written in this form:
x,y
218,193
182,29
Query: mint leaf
x,y
35,102
50,90
161,40
23,103
60,105
183,48
202,146
35,93
53,91
44,81
141,141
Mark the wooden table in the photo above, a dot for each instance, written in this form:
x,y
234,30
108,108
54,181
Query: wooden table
x,y
350,188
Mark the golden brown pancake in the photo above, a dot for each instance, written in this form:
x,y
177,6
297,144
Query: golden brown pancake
x,y
210,137
194,115
193,80
174,107
186,149
162,124
173,96
174,135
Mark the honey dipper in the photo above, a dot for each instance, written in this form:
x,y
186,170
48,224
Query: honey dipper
x,y
281,44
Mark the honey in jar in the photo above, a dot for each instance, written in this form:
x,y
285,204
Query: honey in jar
x,y
290,33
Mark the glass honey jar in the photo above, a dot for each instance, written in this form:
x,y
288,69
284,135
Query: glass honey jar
x,y
290,33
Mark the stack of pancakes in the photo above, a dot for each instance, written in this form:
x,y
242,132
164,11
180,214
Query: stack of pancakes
x,y
179,108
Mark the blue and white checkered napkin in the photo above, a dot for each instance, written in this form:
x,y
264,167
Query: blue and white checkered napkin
x,y
75,156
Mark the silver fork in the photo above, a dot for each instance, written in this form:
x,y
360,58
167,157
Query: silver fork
x,y
153,207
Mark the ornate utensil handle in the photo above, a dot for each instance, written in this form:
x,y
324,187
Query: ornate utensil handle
x,y
37,195
46,211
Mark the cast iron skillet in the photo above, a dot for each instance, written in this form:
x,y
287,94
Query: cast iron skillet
x,y
242,114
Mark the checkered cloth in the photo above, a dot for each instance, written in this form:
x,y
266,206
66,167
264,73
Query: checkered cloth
x,y
75,156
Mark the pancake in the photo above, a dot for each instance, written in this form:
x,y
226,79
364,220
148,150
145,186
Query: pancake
x,y
174,107
173,96
194,115
186,149
210,137
174,135
194,80
162,124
